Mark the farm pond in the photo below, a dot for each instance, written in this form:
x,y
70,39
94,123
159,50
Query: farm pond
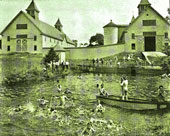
x,y
21,114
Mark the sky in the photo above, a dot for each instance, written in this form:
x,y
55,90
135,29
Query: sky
x,y
80,18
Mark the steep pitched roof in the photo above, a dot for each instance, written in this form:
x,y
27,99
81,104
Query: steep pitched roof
x,y
69,40
145,12
133,18
58,23
43,27
144,2
32,6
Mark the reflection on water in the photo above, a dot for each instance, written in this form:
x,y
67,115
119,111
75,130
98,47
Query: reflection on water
x,y
83,95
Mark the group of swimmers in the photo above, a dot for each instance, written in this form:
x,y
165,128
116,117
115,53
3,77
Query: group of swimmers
x,y
61,95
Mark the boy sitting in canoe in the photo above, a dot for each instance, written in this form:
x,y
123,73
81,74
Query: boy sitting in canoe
x,y
161,93
103,92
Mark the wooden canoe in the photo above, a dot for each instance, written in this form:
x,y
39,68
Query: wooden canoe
x,y
132,103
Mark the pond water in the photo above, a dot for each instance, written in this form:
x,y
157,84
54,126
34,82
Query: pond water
x,y
79,107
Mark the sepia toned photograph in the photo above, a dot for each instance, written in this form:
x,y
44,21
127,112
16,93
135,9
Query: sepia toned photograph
x,y
84,67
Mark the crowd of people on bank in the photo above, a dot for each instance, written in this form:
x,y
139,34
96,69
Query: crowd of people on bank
x,y
98,62
117,62
57,65
103,62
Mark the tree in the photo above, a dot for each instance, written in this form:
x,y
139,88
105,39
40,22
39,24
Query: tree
x,y
85,44
165,63
51,57
168,17
81,44
97,39
166,49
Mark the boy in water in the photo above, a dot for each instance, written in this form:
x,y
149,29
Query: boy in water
x,y
59,88
98,88
99,107
63,99
43,102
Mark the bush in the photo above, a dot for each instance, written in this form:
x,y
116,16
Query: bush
x,y
166,64
22,76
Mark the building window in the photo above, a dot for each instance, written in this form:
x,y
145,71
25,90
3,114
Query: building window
x,y
8,38
166,35
133,46
32,12
24,45
18,46
22,36
35,47
8,48
148,34
133,36
142,7
166,44
21,26
149,22
0,45
35,38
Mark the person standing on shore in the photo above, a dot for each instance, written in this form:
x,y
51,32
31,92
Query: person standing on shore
x,y
124,85
93,62
122,91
